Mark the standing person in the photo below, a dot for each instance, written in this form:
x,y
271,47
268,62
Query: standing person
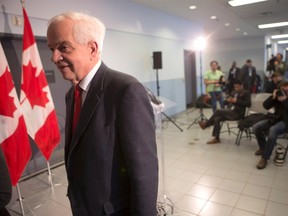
x,y
5,185
233,75
267,131
110,153
238,101
280,65
248,75
270,68
213,88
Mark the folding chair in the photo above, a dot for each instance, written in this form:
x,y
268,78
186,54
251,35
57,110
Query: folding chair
x,y
256,107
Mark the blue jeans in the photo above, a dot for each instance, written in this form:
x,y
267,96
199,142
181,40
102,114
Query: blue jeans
x,y
266,135
216,95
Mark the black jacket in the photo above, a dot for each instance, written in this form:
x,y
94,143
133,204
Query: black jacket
x,y
243,101
281,109
5,183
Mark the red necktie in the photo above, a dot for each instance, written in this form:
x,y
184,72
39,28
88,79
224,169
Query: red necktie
x,y
77,105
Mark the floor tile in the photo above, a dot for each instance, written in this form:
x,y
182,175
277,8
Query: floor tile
x,y
215,209
251,204
257,191
201,191
276,209
280,196
191,204
225,197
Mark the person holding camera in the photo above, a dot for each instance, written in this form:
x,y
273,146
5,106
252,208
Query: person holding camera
x,y
267,130
237,103
213,87
276,79
280,65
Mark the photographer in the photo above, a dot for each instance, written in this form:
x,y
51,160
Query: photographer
x,y
237,103
280,65
267,131
213,88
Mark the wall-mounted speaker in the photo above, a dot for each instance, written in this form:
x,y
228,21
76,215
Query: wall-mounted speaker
x,y
157,60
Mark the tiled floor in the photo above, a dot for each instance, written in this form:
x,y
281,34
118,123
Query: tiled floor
x,y
201,179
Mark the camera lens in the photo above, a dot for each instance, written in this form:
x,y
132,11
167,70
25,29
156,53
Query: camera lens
x,y
279,93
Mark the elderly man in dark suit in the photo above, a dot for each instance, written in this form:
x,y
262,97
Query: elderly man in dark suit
x,y
110,147
237,103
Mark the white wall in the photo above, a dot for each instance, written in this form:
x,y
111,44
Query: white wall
x,y
133,53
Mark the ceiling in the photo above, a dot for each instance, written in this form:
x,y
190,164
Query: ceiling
x,y
243,18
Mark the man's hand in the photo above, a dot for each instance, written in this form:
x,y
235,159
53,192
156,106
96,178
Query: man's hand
x,y
282,98
231,100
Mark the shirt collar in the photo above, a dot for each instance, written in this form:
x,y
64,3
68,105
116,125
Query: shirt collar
x,y
84,84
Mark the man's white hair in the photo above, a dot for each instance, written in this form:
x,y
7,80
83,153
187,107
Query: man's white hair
x,y
85,29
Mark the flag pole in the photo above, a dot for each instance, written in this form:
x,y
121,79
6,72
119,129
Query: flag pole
x,y
22,3
49,173
20,199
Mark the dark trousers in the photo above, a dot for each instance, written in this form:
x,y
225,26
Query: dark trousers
x,y
5,185
4,212
214,97
219,116
266,135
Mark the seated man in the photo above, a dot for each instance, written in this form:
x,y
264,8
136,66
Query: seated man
x,y
237,102
266,131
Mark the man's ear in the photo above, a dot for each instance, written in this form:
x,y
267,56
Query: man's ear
x,y
93,48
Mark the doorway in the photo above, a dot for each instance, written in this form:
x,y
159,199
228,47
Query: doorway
x,y
190,77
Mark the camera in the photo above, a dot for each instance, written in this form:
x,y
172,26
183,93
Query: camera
x,y
280,92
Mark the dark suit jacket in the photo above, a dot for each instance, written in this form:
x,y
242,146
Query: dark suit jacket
x,y
243,102
248,81
5,182
232,78
111,159
281,109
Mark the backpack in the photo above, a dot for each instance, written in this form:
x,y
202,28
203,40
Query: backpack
x,y
250,120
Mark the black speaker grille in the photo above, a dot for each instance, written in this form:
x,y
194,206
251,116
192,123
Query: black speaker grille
x,y
157,60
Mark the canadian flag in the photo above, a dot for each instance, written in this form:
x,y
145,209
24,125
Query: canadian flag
x,y
13,133
35,97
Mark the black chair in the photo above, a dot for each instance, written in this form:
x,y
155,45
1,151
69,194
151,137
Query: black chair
x,y
258,111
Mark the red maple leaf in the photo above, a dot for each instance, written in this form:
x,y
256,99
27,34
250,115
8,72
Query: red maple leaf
x,y
33,86
7,106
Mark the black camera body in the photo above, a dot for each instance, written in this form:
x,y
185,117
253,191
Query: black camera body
x,y
280,92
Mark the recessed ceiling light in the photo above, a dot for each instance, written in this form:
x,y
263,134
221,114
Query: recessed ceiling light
x,y
279,36
236,3
272,25
283,42
245,33
213,17
192,7
237,29
227,24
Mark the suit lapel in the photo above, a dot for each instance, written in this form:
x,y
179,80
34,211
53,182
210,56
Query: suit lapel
x,y
69,118
89,107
